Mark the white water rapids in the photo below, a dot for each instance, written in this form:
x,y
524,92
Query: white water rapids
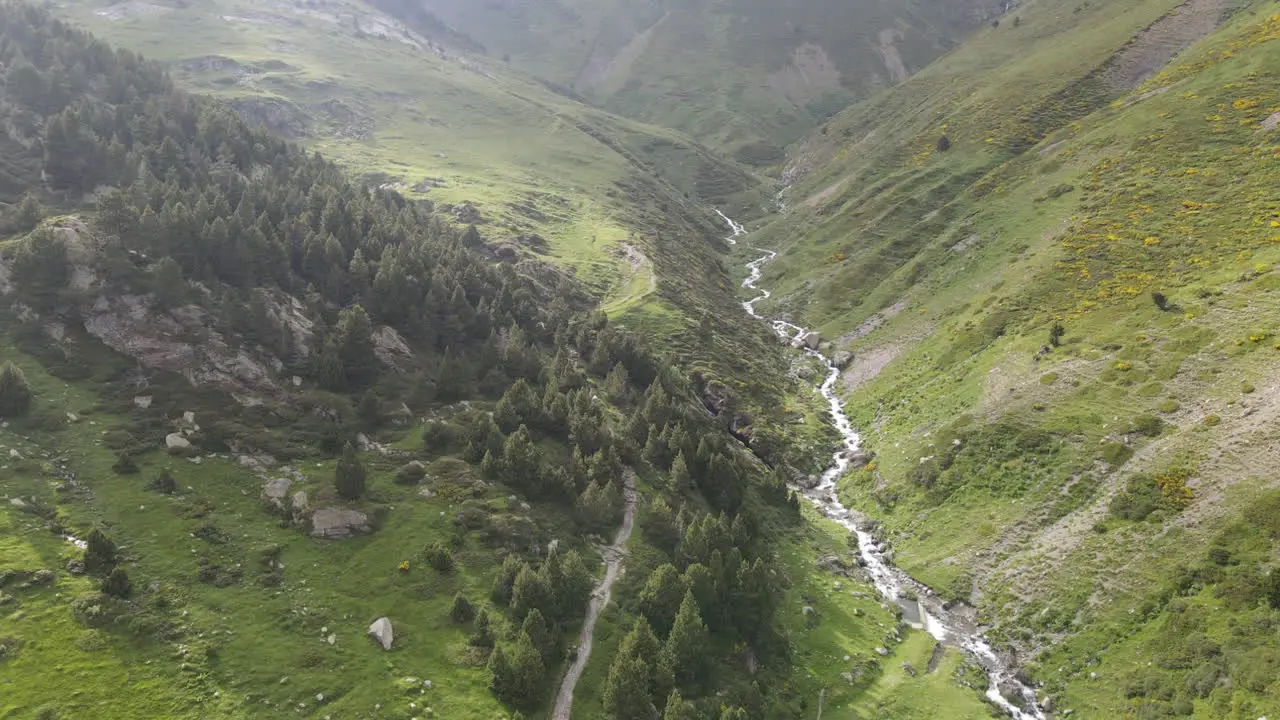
x,y
921,606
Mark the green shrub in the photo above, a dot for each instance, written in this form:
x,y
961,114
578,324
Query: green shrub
x,y
118,584
125,465
439,557
15,394
1147,424
1169,406
1140,498
164,483
1116,454
1049,378
1212,420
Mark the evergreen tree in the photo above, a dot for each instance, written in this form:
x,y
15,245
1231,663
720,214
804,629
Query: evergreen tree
x,y
522,462
353,340
15,394
529,591
598,507
686,646
117,584
517,672
99,552
661,597
681,480
504,584
575,585
29,214
519,405
626,692
462,611
167,284
350,476
535,627
678,708
482,636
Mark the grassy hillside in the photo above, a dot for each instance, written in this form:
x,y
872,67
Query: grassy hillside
x,y
409,111
1097,491
745,76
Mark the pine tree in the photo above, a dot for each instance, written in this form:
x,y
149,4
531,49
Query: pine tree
x,y
678,708
626,693
529,591
681,480
575,587
99,552
661,597
117,584
684,652
29,214
483,634
350,476
519,405
522,461
535,626
517,671
504,584
462,610
15,394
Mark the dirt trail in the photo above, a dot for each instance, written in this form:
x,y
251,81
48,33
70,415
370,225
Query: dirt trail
x,y
613,556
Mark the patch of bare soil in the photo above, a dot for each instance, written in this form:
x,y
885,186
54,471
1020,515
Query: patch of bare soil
x,y
1155,46
866,365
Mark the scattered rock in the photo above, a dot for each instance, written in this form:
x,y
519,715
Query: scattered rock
x,y
810,340
338,523
176,442
276,490
142,401
882,651
1011,692
834,565
860,458
909,669
299,502
380,630
842,358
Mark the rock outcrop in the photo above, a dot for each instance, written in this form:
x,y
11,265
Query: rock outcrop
x,y
380,630
338,523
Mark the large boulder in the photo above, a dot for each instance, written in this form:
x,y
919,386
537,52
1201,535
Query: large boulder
x,y
275,492
338,523
380,630
810,340
176,443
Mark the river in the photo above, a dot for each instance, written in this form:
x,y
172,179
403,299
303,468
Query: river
x,y
921,606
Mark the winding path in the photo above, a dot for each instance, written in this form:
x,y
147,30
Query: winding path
x,y
614,554
921,606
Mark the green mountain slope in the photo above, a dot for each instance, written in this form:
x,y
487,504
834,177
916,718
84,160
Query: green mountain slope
x,y
408,111
253,411
745,76
1099,490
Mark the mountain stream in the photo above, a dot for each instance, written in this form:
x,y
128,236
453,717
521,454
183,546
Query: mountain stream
x,y
921,606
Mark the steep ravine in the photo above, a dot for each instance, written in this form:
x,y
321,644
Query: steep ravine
x,y
921,606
